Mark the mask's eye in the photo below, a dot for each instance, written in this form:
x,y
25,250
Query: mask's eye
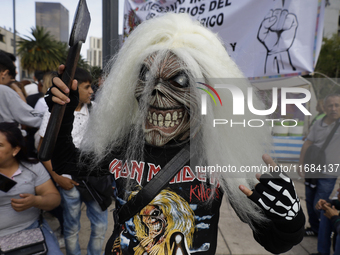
x,y
156,212
181,80
144,74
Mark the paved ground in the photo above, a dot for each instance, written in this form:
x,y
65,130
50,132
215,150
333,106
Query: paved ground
x,y
234,236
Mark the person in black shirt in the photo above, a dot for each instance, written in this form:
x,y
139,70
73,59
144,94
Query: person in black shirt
x,y
149,109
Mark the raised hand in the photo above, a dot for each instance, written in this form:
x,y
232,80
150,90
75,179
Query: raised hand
x,y
277,33
275,194
58,93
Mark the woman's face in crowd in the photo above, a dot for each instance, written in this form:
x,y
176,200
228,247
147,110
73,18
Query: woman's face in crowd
x,y
7,152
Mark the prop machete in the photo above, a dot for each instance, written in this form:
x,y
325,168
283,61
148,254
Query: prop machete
x,y
78,35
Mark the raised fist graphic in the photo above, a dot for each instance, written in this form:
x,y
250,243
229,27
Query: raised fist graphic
x,y
277,33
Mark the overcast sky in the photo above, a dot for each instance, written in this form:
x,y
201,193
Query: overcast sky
x,y
25,16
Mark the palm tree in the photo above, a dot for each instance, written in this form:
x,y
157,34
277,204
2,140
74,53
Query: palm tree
x,y
42,51
63,47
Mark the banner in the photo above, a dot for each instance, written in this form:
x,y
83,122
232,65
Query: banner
x,y
266,38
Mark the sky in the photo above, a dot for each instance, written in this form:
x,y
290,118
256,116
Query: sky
x,y
25,16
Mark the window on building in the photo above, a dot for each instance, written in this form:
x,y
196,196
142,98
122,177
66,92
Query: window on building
x,y
12,42
100,58
2,38
98,43
95,58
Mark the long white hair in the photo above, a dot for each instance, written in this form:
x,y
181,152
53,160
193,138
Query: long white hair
x,y
118,117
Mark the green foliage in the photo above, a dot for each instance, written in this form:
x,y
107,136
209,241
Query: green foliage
x,y
95,72
329,59
328,65
82,63
42,52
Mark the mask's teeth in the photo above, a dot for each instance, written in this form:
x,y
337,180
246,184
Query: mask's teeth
x,y
168,116
157,227
167,121
160,120
174,116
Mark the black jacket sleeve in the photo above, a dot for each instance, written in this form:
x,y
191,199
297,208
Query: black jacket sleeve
x,y
278,236
66,157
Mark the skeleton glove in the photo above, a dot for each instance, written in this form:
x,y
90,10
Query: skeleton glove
x,y
276,195
74,96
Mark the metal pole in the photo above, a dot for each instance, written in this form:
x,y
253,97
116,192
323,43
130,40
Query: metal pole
x,y
14,39
110,29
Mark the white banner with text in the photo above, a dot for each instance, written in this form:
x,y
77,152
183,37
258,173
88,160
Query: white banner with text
x,y
266,38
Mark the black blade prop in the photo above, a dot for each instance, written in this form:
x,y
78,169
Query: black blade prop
x,y
78,35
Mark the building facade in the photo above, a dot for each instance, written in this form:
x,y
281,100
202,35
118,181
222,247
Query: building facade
x,y
7,45
94,53
7,39
55,18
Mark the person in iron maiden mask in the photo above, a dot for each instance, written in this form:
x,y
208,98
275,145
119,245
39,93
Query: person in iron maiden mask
x,y
149,109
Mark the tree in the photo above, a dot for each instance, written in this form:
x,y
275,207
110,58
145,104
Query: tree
x,y
96,73
83,63
328,65
329,59
41,52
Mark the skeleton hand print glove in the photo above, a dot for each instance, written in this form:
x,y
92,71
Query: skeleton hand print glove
x,y
48,96
276,195
73,95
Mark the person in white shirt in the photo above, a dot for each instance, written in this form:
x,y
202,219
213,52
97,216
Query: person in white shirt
x,y
41,105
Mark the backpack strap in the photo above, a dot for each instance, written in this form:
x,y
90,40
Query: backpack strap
x,y
330,136
157,183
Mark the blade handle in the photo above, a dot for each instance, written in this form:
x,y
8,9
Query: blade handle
x,y
57,114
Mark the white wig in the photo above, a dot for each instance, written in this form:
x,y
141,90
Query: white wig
x,y
202,52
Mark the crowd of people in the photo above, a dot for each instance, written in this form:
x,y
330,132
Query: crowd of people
x,y
24,117
145,115
322,217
